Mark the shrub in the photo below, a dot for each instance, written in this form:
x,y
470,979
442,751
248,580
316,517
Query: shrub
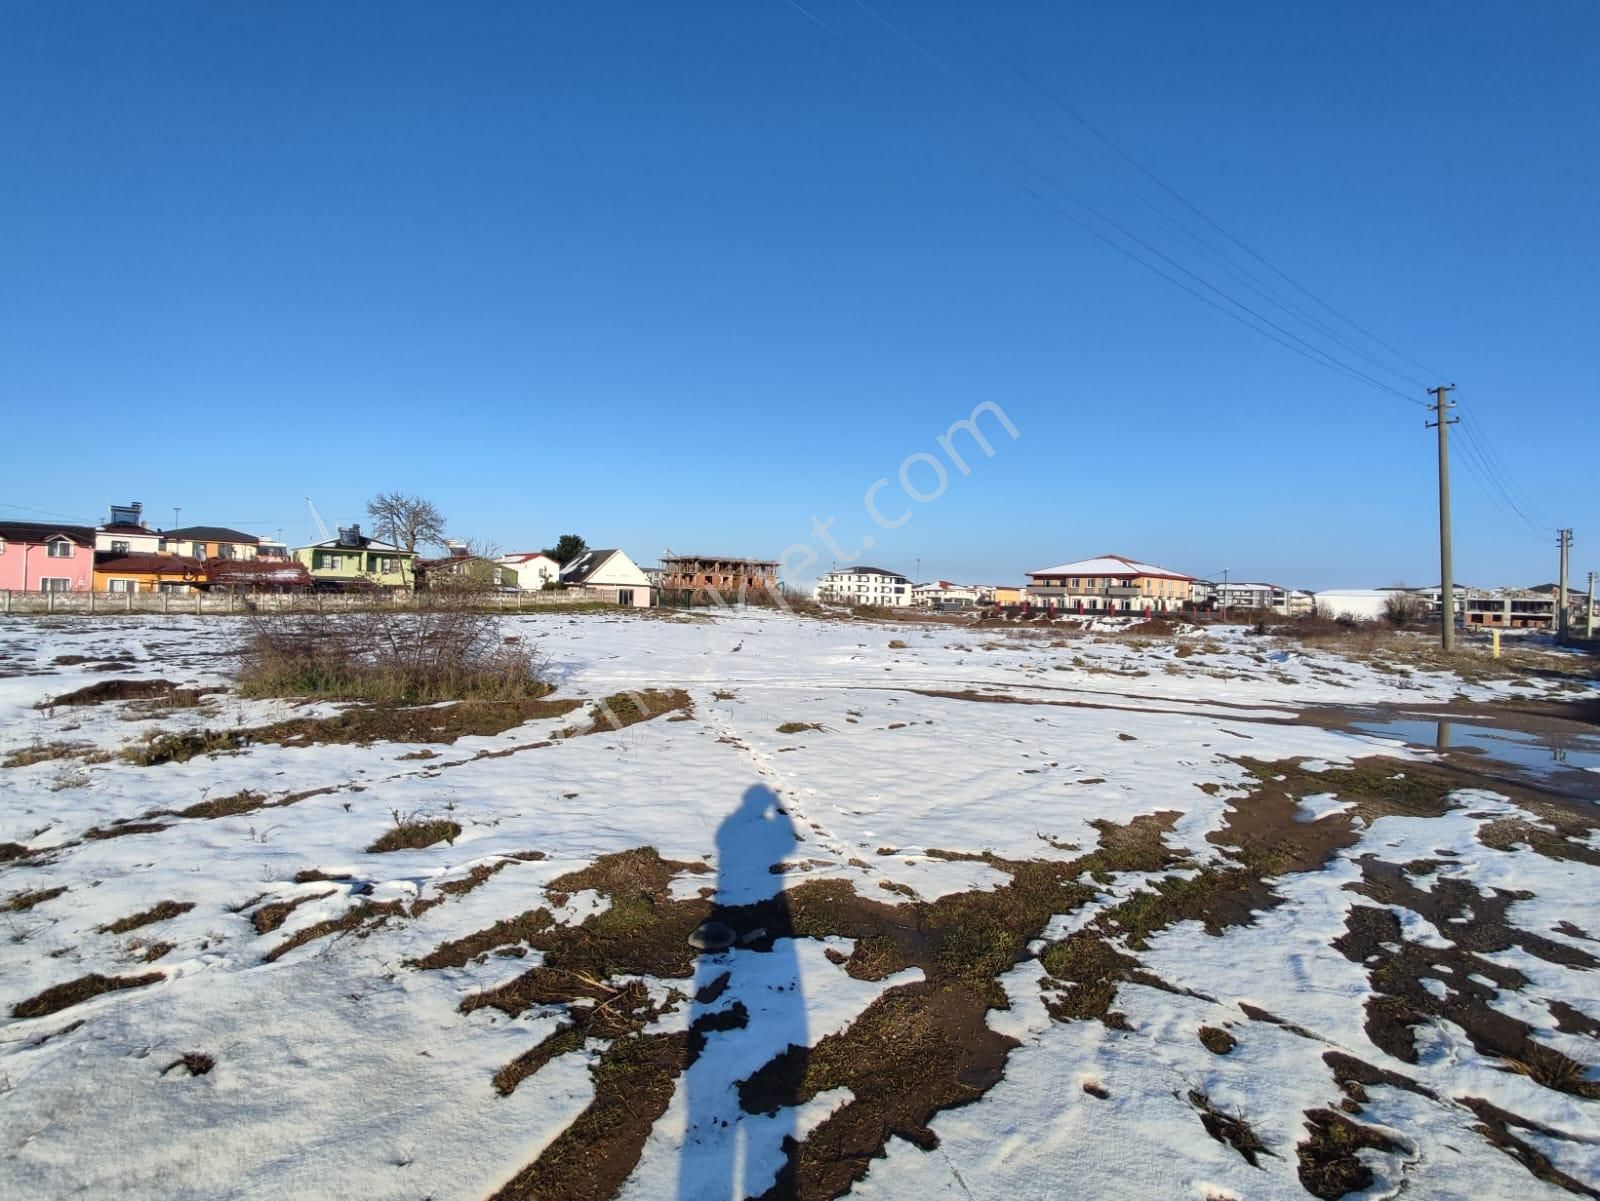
x,y
1402,609
414,832
444,651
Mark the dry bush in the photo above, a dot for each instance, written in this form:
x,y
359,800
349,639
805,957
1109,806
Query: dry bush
x,y
1318,627
443,651
872,612
1402,609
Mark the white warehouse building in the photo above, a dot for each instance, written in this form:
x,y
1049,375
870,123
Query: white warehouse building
x,y
1360,604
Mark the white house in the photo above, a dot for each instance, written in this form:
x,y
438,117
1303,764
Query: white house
x,y
127,534
533,568
1243,597
612,576
861,585
942,594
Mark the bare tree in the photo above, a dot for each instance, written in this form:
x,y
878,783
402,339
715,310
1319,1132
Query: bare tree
x,y
1402,608
405,520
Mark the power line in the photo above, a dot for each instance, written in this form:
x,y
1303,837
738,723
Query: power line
x,y
1493,483
45,513
1481,458
1255,284
1498,467
1315,353
1105,138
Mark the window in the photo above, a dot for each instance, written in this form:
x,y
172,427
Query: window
x,y
171,586
625,596
55,583
331,562
60,548
225,550
122,585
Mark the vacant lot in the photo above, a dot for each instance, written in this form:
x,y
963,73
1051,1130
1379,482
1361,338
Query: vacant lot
x,y
773,906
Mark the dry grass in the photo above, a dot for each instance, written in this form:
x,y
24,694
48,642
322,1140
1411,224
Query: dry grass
x,y
43,752
23,901
447,651
159,912
75,992
629,708
1547,1066
413,832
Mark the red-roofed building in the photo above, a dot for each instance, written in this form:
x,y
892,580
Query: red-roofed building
x,y
1109,584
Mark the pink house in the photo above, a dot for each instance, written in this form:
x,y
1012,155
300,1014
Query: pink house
x,y
38,557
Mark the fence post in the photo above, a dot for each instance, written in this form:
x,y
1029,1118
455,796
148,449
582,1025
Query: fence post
x,y
91,600
127,603
166,600
8,600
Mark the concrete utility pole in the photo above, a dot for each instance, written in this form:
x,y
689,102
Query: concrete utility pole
x,y
1447,587
1564,541
1588,613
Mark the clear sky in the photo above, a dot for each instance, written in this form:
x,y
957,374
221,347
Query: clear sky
x,y
693,274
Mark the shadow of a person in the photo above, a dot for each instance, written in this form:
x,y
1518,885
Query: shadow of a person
x,y
748,1009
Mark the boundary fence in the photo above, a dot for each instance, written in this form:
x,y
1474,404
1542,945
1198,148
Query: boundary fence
x,y
222,603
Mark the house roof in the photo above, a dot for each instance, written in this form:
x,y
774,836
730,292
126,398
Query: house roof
x,y
526,556
585,565
147,563
43,531
127,527
863,569
211,533
1110,565
365,543
257,571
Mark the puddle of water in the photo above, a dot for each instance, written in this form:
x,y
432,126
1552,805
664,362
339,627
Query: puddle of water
x,y
1545,753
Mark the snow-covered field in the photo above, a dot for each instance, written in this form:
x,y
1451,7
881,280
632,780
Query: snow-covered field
x,y
925,764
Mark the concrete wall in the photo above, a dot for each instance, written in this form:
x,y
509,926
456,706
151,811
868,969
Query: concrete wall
x,y
28,603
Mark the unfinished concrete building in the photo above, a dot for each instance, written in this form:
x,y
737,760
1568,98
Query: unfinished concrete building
x,y
730,579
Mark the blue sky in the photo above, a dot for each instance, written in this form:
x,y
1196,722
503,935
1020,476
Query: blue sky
x,y
691,275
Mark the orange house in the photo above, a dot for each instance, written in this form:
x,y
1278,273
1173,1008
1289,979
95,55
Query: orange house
x,y
143,572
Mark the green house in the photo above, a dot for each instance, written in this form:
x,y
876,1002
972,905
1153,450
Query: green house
x,y
353,559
